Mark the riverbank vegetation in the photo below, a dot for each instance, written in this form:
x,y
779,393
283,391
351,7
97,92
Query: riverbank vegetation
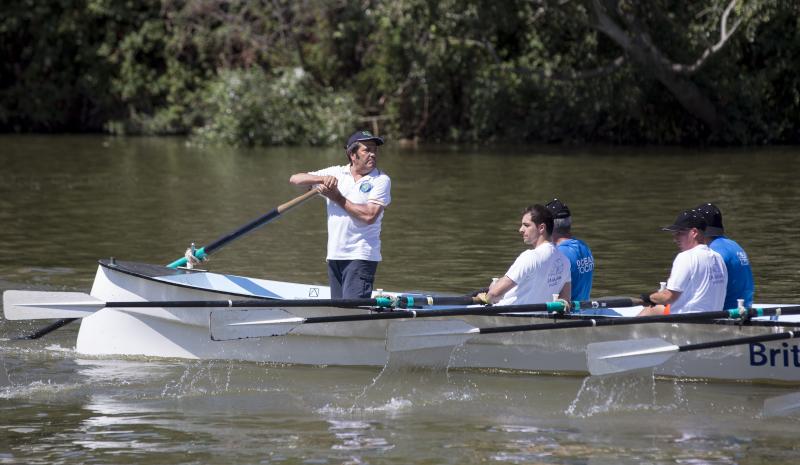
x,y
277,72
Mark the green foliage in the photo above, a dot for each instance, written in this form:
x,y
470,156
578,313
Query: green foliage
x,y
252,107
226,71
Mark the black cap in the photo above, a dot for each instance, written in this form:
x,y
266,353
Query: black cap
x,y
713,218
362,136
687,219
558,208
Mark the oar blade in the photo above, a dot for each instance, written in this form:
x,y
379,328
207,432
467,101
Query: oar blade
x,y
415,335
40,305
619,356
230,324
781,406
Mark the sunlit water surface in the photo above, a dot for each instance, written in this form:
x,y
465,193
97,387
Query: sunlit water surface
x,y
67,201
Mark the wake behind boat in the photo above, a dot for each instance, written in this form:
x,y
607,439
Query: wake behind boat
x,y
181,310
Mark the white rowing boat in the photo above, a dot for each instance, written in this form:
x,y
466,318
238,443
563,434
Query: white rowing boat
x,y
281,333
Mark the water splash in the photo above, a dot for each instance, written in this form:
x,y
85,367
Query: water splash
x,y
630,392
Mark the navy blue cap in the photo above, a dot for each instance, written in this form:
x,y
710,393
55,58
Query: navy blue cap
x,y
687,219
362,136
558,208
713,218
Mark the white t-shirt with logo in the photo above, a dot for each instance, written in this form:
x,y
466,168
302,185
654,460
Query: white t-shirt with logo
x,y
699,274
539,273
348,237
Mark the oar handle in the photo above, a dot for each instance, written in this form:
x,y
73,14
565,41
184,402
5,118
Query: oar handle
x,y
203,252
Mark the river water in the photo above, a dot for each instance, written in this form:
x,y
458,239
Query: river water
x,y
67,201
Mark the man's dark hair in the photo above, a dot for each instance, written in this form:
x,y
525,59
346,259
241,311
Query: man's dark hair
x,y
540,214
352,150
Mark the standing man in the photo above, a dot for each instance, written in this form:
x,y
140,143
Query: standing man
x,y
581,261
538,272
356,194
740,275
698,277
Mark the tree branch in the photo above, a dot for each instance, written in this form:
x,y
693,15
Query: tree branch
x,y
636,43
724,35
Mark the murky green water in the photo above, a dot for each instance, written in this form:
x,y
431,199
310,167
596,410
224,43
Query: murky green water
x,y
67,201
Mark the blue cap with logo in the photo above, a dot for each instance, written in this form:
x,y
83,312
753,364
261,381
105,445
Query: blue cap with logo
x,y
362,136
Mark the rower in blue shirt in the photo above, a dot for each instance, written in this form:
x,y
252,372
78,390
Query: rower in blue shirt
x,y
740,275
579,255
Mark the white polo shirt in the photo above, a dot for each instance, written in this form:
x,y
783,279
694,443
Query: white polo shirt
x,y
699,274
348,237
539,273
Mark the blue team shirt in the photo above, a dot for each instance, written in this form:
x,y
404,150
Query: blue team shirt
x,y
581,265
740,275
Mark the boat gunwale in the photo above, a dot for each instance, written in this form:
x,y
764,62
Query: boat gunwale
x,y
114,265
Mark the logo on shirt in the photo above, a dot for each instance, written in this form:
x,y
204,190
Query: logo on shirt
x,y
554,277
365,187
743,258
584,265
717,275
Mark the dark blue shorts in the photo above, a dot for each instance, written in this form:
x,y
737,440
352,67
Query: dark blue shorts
x,y
351,279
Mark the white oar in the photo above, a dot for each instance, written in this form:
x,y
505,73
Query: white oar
x,y
619,356
35,305
243,324
781,406
415,335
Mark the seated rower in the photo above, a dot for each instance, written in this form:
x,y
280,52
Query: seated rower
x,y
740,275
698,277
539,272
581,261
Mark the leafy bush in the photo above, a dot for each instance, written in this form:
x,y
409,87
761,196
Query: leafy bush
x,y
285,107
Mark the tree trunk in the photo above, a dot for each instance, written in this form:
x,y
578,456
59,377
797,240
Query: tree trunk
x,y
653,62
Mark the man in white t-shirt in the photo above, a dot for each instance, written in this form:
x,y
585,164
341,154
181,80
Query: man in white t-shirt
x,y
539,272
357,195
698,278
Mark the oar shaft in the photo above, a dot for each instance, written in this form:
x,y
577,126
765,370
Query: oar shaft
x,y
47,329
739,341
462,311
256,223
245,303
398,314
634,320
405,301
588,322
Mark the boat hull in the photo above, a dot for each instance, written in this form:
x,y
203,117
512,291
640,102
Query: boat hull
x,y
184,333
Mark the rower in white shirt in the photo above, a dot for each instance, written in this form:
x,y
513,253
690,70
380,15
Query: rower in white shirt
x,y
698,278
